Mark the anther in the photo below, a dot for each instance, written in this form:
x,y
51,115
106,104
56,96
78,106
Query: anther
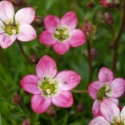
x,y
48,91
57,32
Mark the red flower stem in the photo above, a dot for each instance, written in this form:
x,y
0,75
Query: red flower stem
x,y
22,50
89,60
79,91
117,40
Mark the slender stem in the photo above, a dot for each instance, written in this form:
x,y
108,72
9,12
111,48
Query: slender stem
x,y
22,50
79,91
89,61
117,40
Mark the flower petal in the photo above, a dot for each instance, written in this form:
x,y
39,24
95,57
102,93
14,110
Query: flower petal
x,y
51,22
26,33
93,88
116,101
6,41
46,38
61,48
46,67
123,114
25,16
69,19
64,99
77,38
1,27
99,121
109,109
117,87
30,84
68,79
96,108
105,75
40,104
6,11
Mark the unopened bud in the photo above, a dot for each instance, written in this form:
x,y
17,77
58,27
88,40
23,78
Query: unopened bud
x,y
34,59
26,122
16,98
111,46
93,53
108,18
38,21
51,111
17,2
88,29
90,5
79,107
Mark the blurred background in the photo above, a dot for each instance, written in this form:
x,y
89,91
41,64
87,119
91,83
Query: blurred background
x,y
101,26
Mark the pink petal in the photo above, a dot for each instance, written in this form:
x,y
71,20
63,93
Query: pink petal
x,y
40,104
116,101
25,16
46,38
99,121
1,27
6,41
64,99
109,109
51,22
96,108
61,48
105,75
30,84
6,11
93,88
117,87
69,79
26,33
69,19
46,67
123,114
77,38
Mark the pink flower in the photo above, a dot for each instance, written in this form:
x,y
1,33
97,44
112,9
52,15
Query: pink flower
x,y
104,3
111,115
105,87
48,86
16,26
61,34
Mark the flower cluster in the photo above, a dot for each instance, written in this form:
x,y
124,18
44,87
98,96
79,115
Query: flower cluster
x,y
106,92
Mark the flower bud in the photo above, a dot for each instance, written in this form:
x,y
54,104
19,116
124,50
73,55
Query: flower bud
x,y
90,5
26,122
108,18
34,59
16,98
93,53
17,2
88,29
79,107
51,111
38,21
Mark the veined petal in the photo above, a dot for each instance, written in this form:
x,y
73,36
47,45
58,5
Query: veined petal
x,y
109,110
77,38
46,38
6,11
51,22
96,108
25,16
1,27
99,121
40,104
116,101
70,20
26,33
64,99
30,84
123,114
117,87
105,75
69,79
93,88
6,41
46,67
61,48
